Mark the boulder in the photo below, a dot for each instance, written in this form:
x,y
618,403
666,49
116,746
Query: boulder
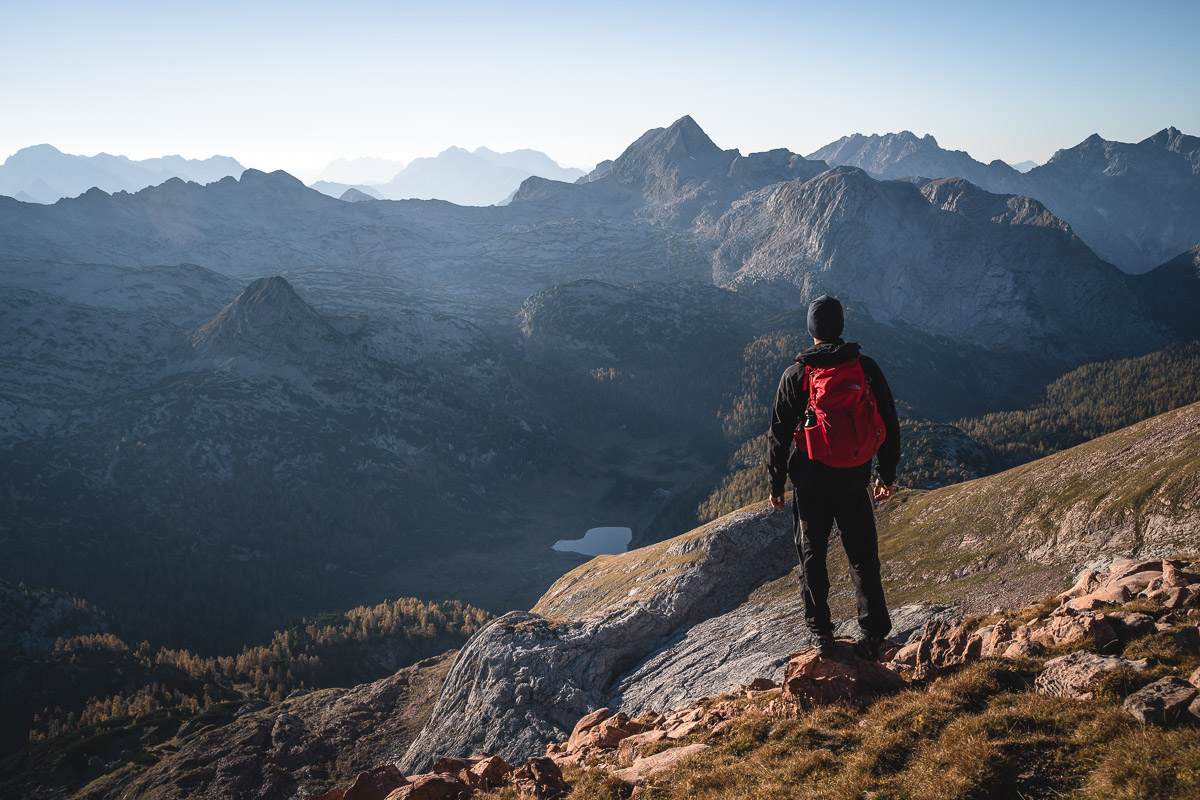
x,y
942,646
479,772
632,747
1066,626
1123,567
1176,597
1163,702
376,784
1187,640
1132,625
998,638
1113,594
760,685
539,779
1138,581
1174,576
646,768
1088,582
580,733
1194,678
1072,675
1024,645
433,787
814,680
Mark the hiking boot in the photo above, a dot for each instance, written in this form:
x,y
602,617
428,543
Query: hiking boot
x,y
823,644
869,646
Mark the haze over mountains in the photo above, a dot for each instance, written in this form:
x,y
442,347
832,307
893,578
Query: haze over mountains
x,y
228,406
265,343
43,174
1134,204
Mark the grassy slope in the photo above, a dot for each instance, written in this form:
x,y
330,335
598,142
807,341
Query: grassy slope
x,y
1135,491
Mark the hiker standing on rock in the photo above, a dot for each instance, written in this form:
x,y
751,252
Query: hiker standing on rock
x,y
836,406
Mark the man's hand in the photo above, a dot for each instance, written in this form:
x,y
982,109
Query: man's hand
x,y
880,490
777,503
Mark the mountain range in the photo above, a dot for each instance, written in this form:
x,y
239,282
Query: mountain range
x,y
43,174
289,403
1134,204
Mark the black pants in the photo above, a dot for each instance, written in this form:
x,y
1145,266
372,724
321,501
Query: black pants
x,y
814,511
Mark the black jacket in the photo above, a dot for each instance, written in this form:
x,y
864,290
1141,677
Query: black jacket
x,y
790,402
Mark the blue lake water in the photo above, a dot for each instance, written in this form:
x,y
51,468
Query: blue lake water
x,y
598,542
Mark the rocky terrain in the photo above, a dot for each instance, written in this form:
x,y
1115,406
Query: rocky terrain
x,y
1134,204
718,606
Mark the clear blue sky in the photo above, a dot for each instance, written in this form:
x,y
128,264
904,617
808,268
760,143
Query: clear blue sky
x,y
293,85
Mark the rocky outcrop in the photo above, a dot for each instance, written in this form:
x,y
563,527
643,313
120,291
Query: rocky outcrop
x,y
290,749
525,678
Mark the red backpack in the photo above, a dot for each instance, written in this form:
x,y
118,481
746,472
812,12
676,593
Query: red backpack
x,y
841,426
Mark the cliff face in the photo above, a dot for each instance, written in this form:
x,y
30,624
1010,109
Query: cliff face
x,y
694,615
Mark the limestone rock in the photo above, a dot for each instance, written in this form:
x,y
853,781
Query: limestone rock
x,y
631,747
648,767
1024,645
1162,702
376,784
433,787
1066,627
813,680
1111,595
1072,675
943,646
539,779
589,629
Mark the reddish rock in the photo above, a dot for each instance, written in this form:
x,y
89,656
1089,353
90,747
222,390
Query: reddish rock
x,y
943,646
491,771
1123,567
1163,702
648,767
1138,581
612,730
907,655
812,680
1110,595
539,779
997,639
1176,597
433,787
1073,675
1088,582
1067,627
1024,645
1194,679
632,747
376,784
580,737
1173,576
685,729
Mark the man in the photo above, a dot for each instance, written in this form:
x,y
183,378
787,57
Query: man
x,y
827,494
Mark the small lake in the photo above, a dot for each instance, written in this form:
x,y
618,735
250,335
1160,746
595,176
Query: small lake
x,y
598,542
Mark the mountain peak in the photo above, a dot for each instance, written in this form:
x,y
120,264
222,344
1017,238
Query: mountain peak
x,y
269,323
683,147
274,180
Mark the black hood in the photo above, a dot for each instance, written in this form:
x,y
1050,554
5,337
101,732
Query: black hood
x,y
826,354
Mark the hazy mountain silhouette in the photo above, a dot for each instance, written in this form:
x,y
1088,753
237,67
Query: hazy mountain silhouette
x,y
479,178
354,171
44,174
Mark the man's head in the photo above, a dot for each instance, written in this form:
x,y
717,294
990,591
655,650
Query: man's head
x,y
825,320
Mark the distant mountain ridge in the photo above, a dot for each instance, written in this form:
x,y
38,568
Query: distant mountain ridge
x,y
481,177
44,174
1136,205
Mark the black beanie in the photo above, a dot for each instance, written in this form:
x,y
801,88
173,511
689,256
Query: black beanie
x,y
825,320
